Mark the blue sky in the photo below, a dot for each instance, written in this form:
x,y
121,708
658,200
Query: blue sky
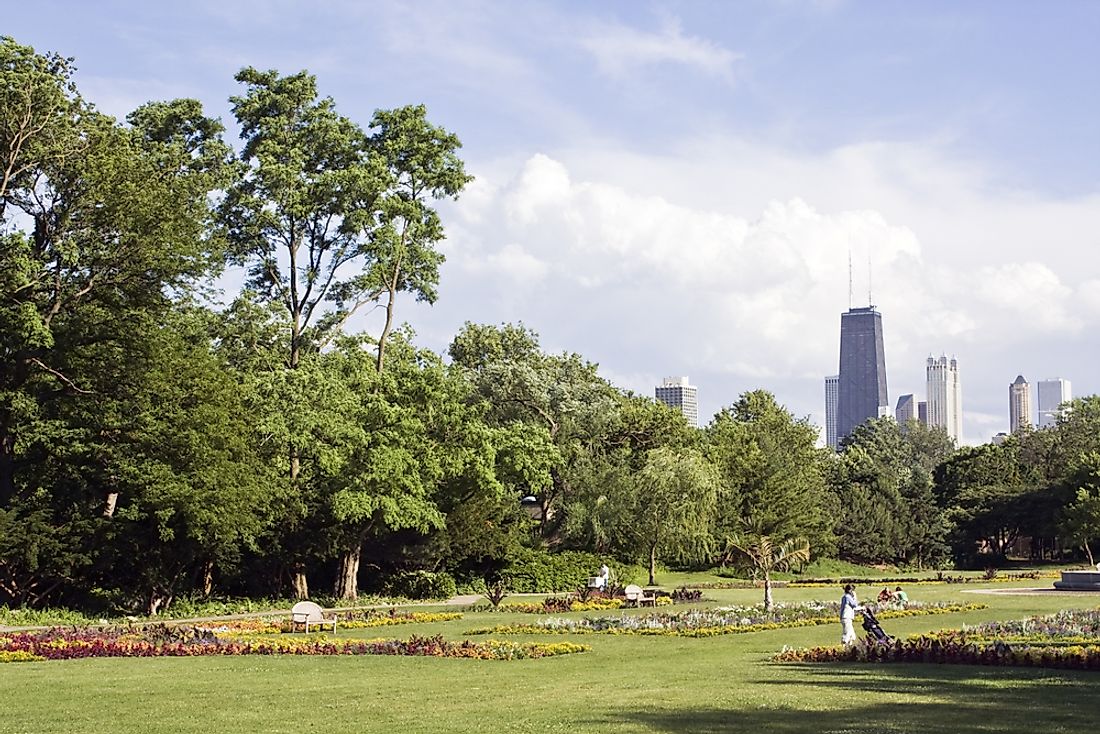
x,y
673,188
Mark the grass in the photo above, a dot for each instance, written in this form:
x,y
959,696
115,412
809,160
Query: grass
x,y
626,684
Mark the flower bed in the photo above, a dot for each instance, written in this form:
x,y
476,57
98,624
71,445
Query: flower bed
x,y
60,644
557,605
344,620
1068,639
709,623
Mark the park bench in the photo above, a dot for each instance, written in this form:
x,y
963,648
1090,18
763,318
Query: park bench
x,y
639,597
306,613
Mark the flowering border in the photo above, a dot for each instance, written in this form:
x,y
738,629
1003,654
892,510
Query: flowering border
x,y
68,645
681,626
1067,639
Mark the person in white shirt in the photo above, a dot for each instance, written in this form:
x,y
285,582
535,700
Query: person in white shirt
x,y
849,605
604,577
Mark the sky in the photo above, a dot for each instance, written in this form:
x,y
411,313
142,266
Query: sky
x,y
677,188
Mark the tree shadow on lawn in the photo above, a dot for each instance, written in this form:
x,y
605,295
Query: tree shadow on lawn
x,y
956,699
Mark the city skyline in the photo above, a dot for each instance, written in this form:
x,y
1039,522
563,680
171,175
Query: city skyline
x,y
726,156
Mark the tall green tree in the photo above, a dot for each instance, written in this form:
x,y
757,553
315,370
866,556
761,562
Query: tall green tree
x,y
1080,520
105,226
891,478
560,396
771,473
675,502
330,219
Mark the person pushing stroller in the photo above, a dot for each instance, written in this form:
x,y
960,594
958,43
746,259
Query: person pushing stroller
x,y
849,605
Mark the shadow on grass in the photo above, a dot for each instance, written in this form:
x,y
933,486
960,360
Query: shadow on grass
x,y
948,699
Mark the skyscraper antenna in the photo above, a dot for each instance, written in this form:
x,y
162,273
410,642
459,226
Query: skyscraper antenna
x,y
849,278
870,301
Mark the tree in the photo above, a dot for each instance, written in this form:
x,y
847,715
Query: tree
x,y
422,163
560,396
1080,521
99,221
772,474
105,229
329,219
890,480
675,499
763,557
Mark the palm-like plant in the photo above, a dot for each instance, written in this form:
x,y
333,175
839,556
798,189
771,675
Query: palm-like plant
x,y
763,556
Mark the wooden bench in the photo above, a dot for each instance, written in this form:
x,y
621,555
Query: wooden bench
x,y
639,597
306,613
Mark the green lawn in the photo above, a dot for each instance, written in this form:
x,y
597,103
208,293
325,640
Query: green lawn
x,y
626,684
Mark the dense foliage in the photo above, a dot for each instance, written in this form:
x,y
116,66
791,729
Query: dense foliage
x,y
158,447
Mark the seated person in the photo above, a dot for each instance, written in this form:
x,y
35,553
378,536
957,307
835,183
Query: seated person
x,y
900,596
885,595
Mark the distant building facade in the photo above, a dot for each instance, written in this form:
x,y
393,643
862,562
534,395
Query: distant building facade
x,y
922,412
1052,393
832,397
944,395
676,392
861,391
1019,404
906,409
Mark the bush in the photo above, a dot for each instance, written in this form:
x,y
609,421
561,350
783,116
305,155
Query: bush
x,y
533,571
421,585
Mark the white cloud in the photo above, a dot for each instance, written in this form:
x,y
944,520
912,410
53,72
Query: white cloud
x,y
621,50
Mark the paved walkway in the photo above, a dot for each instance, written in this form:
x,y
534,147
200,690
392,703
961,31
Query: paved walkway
x,y
1041,591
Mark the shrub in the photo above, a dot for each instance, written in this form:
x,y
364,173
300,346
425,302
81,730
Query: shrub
x,y
538,571
421,585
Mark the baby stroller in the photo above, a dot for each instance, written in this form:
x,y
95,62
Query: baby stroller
x,y
873,628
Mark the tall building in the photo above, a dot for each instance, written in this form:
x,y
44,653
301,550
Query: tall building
x,y
832,387
861,392
1019,404
944,395
1052,393
922,412
675,392
906,410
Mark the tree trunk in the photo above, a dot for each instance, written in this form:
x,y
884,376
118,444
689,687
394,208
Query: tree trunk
x,y
1088,552
7,466
767,592
157,602
109,504
299,581
653,564
347,583
385,331
207,579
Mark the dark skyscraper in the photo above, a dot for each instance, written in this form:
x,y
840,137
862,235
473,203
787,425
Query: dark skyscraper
x,y
862,390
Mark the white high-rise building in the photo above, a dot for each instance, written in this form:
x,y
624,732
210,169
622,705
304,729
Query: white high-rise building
x,y
832,399
1052,393
1019,404
675,392
944,395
